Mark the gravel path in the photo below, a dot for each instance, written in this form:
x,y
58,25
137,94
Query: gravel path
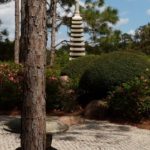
x,y
92,135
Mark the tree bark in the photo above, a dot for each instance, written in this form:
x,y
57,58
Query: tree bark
x,y
16,48
22,52
53,34
33,136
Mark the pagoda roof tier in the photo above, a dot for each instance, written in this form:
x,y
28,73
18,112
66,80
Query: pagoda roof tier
x,y
77,49
77,30
77,54
77,44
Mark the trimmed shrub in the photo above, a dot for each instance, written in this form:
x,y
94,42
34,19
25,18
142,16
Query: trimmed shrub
x,y
131,100
77,67
110,70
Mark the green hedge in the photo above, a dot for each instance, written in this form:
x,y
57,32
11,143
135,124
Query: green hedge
x,y
75,68
110,70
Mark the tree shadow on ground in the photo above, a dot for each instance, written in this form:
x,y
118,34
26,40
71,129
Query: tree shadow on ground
x,y
7,118
97,130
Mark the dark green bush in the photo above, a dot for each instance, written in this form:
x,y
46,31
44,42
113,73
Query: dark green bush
x,y
77,67
52,93
62,58
110,70
131,100
59,96
6,51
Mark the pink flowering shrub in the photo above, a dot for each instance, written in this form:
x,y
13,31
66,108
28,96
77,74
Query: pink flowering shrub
x,y
131,100
60,96
10,87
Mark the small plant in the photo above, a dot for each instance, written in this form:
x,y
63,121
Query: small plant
x,y
77,67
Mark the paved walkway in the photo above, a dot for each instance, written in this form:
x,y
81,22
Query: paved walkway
x,y
92,135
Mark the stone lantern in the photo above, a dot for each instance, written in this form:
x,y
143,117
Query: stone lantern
x,y
77,44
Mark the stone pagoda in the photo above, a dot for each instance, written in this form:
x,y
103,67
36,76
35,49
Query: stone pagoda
x,y
77,45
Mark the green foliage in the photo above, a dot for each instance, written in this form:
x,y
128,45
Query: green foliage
x,y
6,51
131,100
62,57
3,32
4,1
142,38
111,42
60,96
98,25
10,89
110,70
52,96
75,68
52,72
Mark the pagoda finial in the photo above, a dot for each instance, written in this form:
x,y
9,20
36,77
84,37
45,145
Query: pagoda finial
x,y
77,7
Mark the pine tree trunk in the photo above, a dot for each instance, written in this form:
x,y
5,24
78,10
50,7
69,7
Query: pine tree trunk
x,y
33,135
53,34
23,22
16,48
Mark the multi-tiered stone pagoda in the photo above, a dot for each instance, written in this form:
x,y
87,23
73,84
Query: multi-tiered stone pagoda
x,y
77,45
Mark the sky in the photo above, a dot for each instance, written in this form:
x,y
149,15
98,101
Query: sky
x,y
132,14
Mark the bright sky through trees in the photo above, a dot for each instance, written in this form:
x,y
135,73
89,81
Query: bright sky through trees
x,y
132,13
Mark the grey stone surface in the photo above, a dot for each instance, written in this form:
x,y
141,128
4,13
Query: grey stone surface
x,y
92,135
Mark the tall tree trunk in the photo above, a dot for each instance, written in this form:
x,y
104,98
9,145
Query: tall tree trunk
x,y
16,48
53,34
33,135
22,52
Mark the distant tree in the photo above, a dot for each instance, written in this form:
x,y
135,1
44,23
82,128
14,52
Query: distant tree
x,y
55,20
4,1
22,53
97,20
142,38
17,28
53,31
111,42
127,41
3,33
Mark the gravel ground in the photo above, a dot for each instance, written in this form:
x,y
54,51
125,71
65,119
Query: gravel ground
x,y
91,135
